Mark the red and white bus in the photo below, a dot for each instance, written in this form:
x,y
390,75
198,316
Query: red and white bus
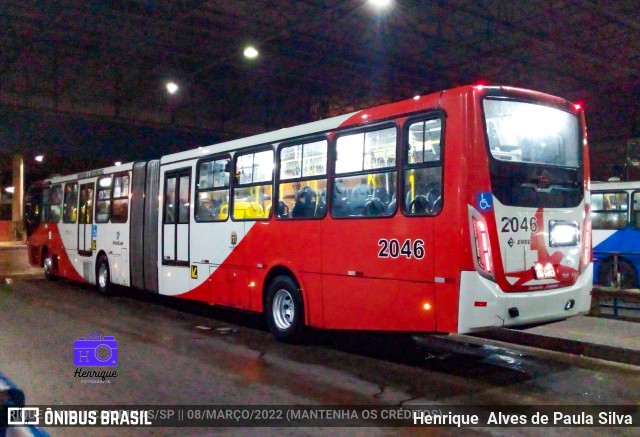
x,y
451,212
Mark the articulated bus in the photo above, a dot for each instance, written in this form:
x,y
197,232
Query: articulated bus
x,y
451,212
615,214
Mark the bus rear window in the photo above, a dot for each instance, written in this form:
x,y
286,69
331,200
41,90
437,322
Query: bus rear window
x,y
526,132
534,155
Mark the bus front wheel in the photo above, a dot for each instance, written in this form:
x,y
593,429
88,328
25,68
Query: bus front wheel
x,y
103,275
47,263
626,271
284,310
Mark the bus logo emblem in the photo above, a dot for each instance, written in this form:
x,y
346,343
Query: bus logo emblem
x,y
194,272
234,238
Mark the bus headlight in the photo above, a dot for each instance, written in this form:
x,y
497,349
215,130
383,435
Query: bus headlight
x,y
563,233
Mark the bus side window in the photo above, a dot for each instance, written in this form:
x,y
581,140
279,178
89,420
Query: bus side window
x,y
253,193
303,179
635,210
70,209
52,204
423,168
120,210
103,201
120,199
609,210
597,220
365,181
212,190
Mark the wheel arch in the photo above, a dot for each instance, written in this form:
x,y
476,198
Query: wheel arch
x,y
99,255
280,270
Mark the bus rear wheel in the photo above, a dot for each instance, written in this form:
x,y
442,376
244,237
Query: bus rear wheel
x,y
626,271
284,310
103,275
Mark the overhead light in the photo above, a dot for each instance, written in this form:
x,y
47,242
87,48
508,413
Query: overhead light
x,y
380,4
172,87
9,190
250,52
118,163
39,158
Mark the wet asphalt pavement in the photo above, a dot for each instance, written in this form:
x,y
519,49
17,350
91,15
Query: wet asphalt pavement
x,y
175,352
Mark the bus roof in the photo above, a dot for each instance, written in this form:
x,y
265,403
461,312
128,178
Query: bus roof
x,y
90,173
361,117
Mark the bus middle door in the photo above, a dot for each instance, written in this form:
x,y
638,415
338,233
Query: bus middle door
x,y
175,232
85,224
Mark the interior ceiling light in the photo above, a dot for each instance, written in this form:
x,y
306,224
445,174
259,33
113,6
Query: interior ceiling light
x,y
250,52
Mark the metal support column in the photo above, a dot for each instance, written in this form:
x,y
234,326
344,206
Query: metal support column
x,y
18,197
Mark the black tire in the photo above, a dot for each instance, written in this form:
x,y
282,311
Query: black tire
x,y
284,310
47,264
103,276
628,274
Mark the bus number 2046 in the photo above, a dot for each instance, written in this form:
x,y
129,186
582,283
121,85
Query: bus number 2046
x,y
513,224
393,249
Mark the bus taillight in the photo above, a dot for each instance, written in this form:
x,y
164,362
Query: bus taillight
x,y
483,247
586,245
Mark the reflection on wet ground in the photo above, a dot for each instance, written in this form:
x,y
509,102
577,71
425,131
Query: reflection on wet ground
x,y
340,367
428,362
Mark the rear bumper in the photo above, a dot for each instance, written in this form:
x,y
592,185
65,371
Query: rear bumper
x,y
484,305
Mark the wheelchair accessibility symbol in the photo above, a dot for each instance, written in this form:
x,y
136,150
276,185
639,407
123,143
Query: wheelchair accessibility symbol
x,y
485,201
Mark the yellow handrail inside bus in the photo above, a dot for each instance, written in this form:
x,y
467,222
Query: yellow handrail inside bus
x,y
412,181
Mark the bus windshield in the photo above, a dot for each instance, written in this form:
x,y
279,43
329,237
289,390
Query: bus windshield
x,y
535,153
